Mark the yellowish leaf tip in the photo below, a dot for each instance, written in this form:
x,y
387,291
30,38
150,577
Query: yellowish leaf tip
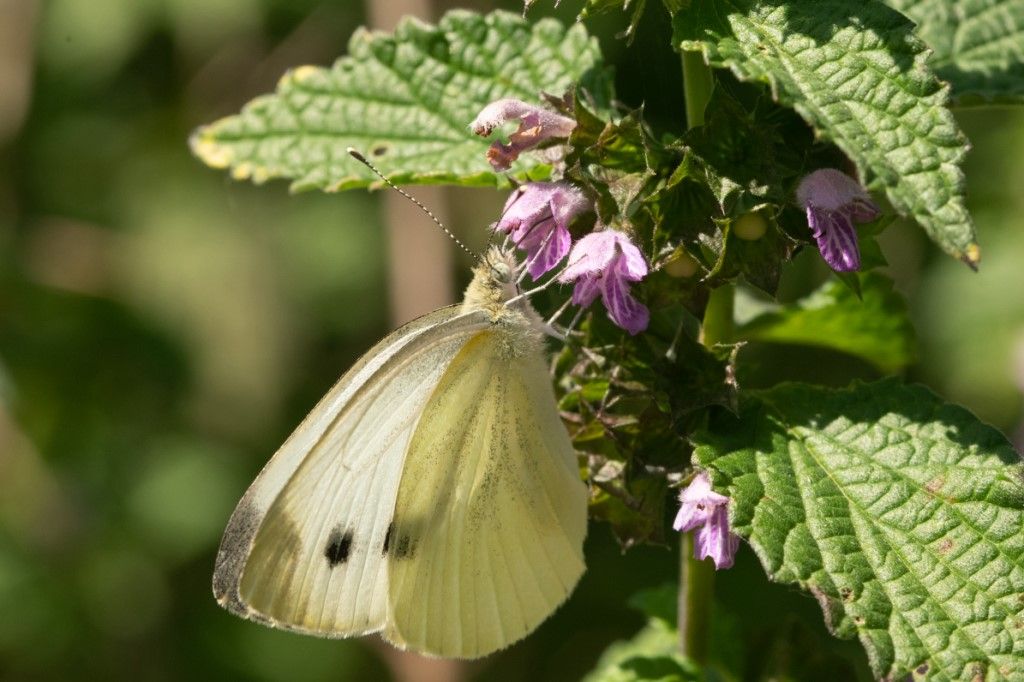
x,y
242,171
208,150
304,73
972,256
299,74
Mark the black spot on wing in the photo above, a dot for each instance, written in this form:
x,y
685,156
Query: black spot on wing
x,y
339,545
387,539
405,547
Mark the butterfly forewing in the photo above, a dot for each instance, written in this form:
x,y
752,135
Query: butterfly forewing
x,y
491,512
305,549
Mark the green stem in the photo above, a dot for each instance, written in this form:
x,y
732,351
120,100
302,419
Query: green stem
x,y
697,583
697,85
718,325
697,578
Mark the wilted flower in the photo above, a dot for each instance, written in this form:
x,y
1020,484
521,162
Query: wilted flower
x,y
537,218
605,263
536,124
834,201
706,511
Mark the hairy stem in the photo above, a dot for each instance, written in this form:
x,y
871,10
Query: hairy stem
x,y
697,578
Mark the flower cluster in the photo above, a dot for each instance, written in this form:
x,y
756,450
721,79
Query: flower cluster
x,y
704,510
536,218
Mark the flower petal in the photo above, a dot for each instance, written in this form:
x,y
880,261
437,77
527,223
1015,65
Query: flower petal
x,y
590,255
624,310
700,490
714,539
549,251
831,189
863,210
836,237
632,266
691,516
587,290
536,124
567,202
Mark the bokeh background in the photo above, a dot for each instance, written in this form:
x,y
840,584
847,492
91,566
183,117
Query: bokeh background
x,y
162,330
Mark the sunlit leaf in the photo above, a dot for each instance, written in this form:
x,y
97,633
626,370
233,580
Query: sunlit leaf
x,y
859,77
900,513
404,100
978,45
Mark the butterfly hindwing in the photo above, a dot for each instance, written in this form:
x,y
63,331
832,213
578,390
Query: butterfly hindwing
x,y
305,549
491,512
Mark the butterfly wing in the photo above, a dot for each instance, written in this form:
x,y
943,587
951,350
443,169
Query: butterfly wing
x,y
491,511
304,548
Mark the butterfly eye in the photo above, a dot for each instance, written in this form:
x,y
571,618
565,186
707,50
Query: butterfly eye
x,y
502,272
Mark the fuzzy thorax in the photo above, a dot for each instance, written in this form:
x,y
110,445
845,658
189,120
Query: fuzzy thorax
x,y
493,285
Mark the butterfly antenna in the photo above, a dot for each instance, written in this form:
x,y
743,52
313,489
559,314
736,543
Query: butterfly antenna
x,y
362,159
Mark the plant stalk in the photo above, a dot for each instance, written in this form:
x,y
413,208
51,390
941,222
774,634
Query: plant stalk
x,y
697,578
697,583
697,85
718,325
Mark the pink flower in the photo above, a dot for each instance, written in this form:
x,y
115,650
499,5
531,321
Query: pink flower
x,y
535,125
706,511
537,218
605,263
834,201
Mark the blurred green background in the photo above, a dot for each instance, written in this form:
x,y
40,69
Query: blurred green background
x,y
162,330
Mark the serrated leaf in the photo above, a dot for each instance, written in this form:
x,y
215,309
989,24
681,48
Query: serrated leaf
x,y
900,513
858,76
978,45
405,101
875,326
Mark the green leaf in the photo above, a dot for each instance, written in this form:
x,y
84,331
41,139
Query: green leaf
x,y
405,101
858,76
900,513
875,327
652,655
976,45
634,9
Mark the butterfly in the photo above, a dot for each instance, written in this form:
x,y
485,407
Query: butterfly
x,y
432,495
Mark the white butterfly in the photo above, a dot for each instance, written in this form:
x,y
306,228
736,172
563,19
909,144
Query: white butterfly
x,y
432,495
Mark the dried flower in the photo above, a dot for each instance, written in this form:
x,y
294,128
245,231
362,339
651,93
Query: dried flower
x,y
703,509
605,263
834,201
536,125
537,218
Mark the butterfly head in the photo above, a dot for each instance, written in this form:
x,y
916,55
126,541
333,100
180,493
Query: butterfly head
x,y
494,282
494,285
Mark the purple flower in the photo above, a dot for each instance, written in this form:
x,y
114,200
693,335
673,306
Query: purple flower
x,y
535,125
605,263
537,218
834,201
706,511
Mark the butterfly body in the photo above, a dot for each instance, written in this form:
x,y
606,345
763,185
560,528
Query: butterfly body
x,y
432,495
